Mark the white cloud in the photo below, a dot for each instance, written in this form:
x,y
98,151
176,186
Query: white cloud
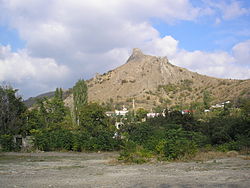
x,y
90,25
241,52
228,9
218,64
87,36
166,46
83,37
20,68
233,10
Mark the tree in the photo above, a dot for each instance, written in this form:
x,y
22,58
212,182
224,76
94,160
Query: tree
x,y
207,99
33,120
59,93
80,97
93,119
11,110
57,107
49,112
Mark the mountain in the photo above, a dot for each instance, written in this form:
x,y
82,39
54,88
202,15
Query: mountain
x,y
32,100
150,81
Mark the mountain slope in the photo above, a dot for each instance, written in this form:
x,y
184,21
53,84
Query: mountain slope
x,y
152,81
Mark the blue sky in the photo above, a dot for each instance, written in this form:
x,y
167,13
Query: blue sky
x,y
46,44
11,37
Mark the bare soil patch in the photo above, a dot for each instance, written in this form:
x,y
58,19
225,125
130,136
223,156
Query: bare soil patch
x,y
56,169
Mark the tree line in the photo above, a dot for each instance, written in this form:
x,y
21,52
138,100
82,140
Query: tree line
x,y
85,127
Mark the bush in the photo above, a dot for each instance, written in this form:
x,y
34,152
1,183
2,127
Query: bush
x,y
81,141
49,140
133,153
242,142
178,148
141,133
40,140
62,139
177,145
104,141
7,143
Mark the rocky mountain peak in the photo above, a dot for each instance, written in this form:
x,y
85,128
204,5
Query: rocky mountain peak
x,y
137,51
136,54
153,81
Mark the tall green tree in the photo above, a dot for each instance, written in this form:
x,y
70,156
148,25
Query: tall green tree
x,y
207,99
49,112
93,118
59,93
80,97
11,110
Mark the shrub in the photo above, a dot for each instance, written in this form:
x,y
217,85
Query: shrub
x,y
168,88
178,148
49,140
177,145
61,139
133,153
81,141
104,141
228,146
40,139
7,143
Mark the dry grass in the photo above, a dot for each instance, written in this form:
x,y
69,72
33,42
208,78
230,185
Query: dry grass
x,y
205,156
232,154
245,157
245,151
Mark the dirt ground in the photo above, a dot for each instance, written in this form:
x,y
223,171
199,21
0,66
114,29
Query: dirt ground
x,y
56,169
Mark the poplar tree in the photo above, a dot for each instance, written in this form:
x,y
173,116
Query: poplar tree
x,y
80,97
59,93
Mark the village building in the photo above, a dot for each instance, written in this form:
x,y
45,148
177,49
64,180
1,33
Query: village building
x,y
122,112
152,115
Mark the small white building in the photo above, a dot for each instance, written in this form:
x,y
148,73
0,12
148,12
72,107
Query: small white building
x,y
152,115
217,106
122,112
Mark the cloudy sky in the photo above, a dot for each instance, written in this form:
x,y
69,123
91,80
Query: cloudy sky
x,y
46,44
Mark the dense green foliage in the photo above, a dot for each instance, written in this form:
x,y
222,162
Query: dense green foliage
x,y
11,110
7,143
53,128
172,136
178,135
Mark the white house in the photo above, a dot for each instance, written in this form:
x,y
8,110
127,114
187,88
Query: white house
x,y
122,112
152,115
